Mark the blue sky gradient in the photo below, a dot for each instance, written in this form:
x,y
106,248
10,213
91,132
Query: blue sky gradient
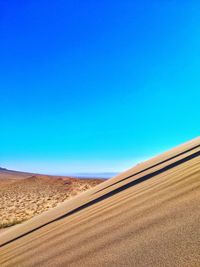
x,y
96,86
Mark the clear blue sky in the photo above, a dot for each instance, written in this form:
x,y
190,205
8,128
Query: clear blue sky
x,y
96,86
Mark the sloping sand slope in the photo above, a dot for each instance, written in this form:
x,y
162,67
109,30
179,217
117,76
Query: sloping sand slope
x,y
147,216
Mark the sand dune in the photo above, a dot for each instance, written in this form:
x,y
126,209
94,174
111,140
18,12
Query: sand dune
x,y
147,216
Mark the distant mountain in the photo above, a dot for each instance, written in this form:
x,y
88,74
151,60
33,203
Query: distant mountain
x,y
103,175
3,169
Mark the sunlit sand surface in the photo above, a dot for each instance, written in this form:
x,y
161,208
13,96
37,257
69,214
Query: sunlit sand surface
x,y
147,216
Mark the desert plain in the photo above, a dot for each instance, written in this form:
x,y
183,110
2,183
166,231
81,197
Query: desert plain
x,y
24,195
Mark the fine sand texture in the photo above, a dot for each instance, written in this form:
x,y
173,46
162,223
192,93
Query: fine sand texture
x,y
146,216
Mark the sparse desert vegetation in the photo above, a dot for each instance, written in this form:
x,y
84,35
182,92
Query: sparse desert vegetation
x,y
22,199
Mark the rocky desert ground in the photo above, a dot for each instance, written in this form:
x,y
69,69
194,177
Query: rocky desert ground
x,y
23,196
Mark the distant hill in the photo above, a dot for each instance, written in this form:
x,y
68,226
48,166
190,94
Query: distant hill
x,y
3,169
